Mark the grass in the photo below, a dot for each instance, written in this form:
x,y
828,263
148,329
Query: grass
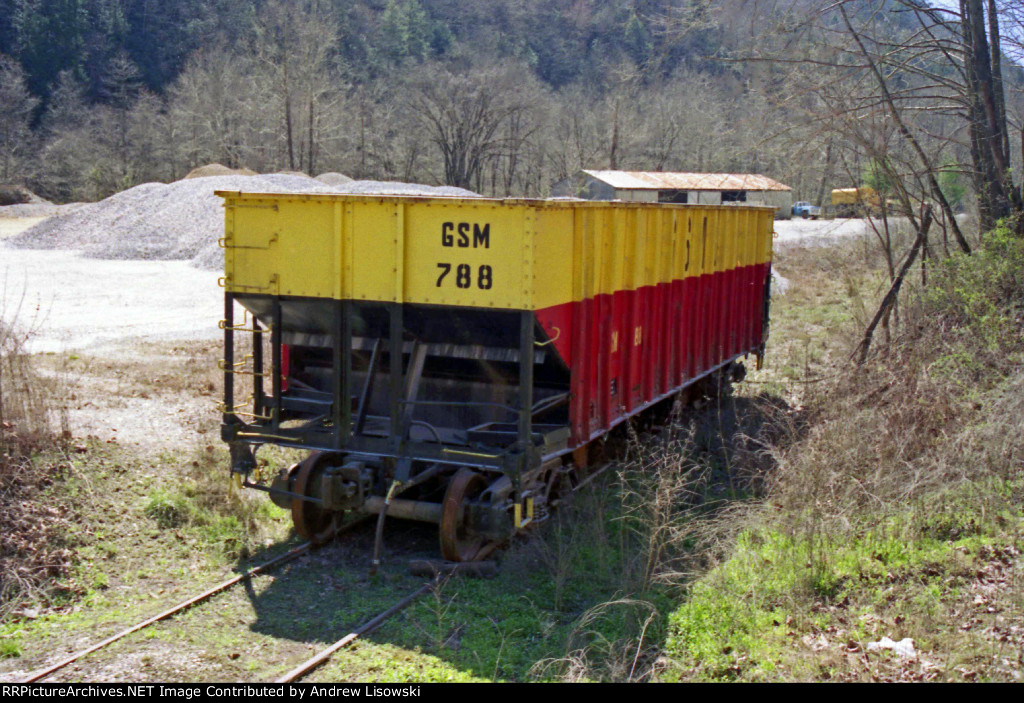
x,y
776,591
897,513
148,545
33,548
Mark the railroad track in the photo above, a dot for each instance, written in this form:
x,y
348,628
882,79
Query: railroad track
x,y
266,566
369,626
364,629
288,556
292,554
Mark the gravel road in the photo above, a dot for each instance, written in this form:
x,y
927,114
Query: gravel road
x,y
71,302
801,232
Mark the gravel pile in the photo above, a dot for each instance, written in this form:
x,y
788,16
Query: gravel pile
x,y
333,178
153,220
40,209
399,188
180,220
217,170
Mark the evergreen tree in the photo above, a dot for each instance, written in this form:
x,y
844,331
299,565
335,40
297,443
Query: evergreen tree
x,y
51,37
405,32
16,106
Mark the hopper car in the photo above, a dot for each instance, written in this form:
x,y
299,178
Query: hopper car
x,y
453,360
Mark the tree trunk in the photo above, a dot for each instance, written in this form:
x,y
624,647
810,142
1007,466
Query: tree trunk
x,y
309,161
613,157
890,298
288,119
997,81
826,173
986,126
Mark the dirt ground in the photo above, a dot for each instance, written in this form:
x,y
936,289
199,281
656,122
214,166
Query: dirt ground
x,y
73,303
9,226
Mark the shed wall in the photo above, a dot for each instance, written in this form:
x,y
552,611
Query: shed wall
x,y
637,196
781,200
705,197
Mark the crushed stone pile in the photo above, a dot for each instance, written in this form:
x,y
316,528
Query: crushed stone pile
x,y
333,178
180,220
399,188
18,201
153,220
217,170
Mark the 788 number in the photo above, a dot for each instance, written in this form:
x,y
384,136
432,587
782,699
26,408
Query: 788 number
x,y
465,276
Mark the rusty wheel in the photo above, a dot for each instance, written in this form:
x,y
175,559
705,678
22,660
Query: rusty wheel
x,y
456,542
311,521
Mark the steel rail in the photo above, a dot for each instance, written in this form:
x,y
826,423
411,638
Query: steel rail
x,y
286,557
291,554
367,627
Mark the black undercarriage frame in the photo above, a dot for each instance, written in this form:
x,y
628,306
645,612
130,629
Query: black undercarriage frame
x,y
525,448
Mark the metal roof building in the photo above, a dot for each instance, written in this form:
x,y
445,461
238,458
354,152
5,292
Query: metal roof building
x,y
663,187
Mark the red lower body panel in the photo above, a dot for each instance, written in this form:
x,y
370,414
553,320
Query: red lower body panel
x,y
628,349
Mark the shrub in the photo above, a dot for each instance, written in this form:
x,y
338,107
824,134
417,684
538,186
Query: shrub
x,y
33,548
169,510
979,299
26,398
907,465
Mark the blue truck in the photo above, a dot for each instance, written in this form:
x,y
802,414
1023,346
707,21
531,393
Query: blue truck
x,y
806,210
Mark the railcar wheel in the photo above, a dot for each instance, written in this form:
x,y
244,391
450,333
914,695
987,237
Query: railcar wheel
x,y
311,521
457,544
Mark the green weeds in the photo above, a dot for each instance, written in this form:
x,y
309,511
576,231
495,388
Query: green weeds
x,y
897,513
9,649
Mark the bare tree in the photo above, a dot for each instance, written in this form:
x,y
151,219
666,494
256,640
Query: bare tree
x,y
385,140
941,66
296,44
65,131
888,84
217,109
150,140
468,116
575,138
